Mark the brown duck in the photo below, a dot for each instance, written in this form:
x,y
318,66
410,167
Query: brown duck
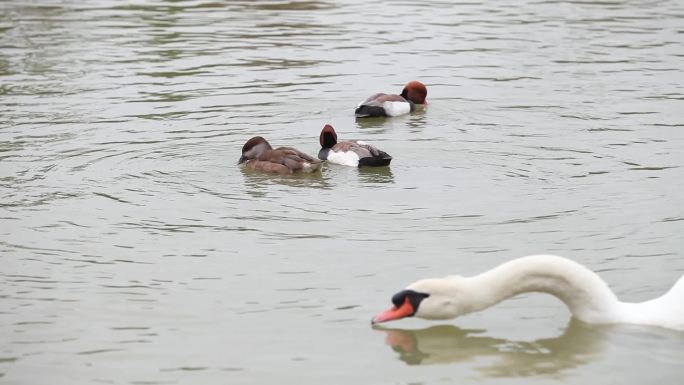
x,y
257,154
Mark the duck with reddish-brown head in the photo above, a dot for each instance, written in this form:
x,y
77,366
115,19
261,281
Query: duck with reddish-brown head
x,y
353,153
414,93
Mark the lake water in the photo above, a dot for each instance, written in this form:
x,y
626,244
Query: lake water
x,y
135,251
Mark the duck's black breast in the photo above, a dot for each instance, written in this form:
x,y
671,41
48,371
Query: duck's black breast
x,y
323,154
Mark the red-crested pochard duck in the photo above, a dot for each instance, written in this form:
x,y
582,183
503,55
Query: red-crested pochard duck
x,y
257,154
380,104
353,153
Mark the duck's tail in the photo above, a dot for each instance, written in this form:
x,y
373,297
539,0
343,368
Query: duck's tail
x,y
364,111
382,159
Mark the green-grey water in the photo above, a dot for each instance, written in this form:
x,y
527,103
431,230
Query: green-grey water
x,y
135,251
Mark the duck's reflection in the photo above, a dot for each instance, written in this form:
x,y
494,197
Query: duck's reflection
x,y
417,120
377,122
442,344
257,181
376,174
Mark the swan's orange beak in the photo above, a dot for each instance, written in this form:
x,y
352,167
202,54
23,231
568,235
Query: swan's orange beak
x,y
405,310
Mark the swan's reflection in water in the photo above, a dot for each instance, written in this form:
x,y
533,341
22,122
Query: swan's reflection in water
x,y
443,344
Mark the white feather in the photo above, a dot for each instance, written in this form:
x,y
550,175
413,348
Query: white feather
x,y
307,167
349,158
396,108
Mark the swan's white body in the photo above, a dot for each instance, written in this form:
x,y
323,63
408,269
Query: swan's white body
x,y
586,295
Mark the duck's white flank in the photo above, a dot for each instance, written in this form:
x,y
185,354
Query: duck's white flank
x,y
349,158
586,295
396,108
308,167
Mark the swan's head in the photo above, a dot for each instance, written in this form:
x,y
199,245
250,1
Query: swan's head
x,y
435,298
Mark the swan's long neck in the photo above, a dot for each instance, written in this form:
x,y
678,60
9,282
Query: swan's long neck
x,y
585,293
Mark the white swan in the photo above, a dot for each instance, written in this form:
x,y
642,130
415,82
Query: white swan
x,y
583,291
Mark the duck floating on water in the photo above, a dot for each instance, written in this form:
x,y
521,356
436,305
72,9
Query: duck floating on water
x,y
353,153
257,154
380,104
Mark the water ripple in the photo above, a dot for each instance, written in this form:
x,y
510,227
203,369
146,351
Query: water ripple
x,y
127,230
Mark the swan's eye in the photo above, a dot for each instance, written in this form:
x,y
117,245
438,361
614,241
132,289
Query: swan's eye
x,y
398,299
413,296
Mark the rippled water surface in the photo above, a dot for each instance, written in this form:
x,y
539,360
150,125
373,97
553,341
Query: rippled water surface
x,y
135,251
